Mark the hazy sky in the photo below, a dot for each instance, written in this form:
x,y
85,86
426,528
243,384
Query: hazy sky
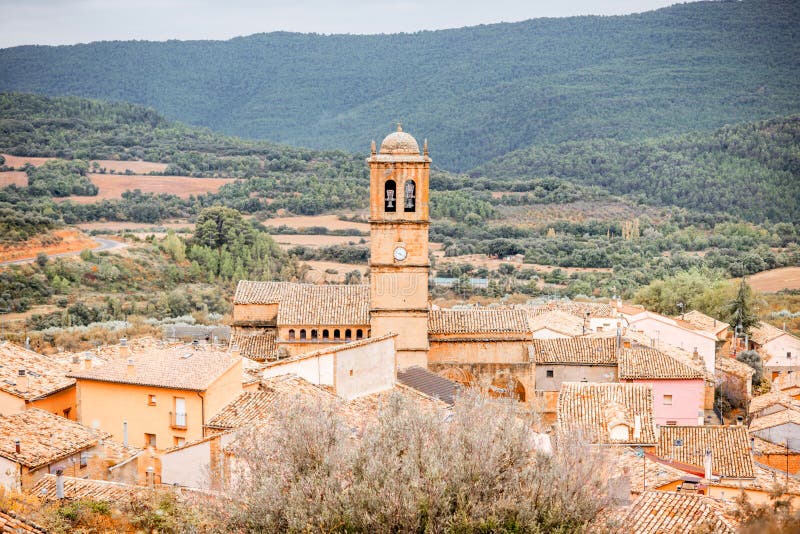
x,y
80,21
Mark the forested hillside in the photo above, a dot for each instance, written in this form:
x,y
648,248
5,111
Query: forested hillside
x,y
477,92
749,170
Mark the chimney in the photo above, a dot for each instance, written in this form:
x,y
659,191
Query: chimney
x,y
22,381
76,360
151,476
235,349
701,419
637,426
626,343
124,351
125,432
87,361
707,464
59,484
17,447
131,368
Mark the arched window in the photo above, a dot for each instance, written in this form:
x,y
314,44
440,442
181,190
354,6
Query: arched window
x,y
336,334
302,333
313,334
325,334
359,334
291,333
348,334
390,196
410,191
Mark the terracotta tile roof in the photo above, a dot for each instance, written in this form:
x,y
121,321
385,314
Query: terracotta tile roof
x,y
247,408
43,375
593,409
482,321
84,488
772,398
575,351
729,445
177,367
256,347
762,446
775,419
44,437
627,463
557,321
764,333
701,321
248,292
428,383
309,304
575,308
733,367
13,523
648,363
118,453
661,512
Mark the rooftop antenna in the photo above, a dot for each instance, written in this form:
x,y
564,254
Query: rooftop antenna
x,y
399,126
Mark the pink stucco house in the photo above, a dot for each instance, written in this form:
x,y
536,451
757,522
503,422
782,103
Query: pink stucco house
x,y
678,388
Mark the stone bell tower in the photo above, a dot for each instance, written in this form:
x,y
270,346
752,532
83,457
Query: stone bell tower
x,y
399,262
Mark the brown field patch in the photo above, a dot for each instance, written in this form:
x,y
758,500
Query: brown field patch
x,y
18,178
493,264
775,280
20,161
290,240
113,185
331,222
118,226
136,167
317,273
56,242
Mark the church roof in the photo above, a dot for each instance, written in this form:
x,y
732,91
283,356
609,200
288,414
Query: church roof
x,y
483,321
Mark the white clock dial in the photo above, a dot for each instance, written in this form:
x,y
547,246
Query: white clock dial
x,y
400,253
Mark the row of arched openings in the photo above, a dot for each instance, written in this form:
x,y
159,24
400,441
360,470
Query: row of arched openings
x,y
409,196
315,334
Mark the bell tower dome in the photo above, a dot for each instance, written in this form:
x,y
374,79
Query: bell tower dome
x,y
399,264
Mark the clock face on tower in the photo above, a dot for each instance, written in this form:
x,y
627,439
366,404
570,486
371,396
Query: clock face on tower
x,y
400,253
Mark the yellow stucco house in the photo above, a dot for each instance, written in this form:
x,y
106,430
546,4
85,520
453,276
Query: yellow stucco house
x,y
161,397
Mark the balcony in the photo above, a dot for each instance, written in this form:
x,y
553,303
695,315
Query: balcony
x,y
178,420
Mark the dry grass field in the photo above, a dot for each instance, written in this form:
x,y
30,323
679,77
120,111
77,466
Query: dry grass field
x,y
492,264
113,185
331,222
290,240
18,178
776,279
138,167
20,161
117,226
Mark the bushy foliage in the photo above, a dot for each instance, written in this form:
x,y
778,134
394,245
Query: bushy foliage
x,y
411,470
60,178
753,359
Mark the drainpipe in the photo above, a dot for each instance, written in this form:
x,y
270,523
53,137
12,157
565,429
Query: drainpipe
x,y
202,414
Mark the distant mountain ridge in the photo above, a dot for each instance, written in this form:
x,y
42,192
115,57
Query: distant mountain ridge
x,y
479,92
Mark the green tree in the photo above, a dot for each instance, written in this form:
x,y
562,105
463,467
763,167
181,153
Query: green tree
x,y
218,226
740,311
753,359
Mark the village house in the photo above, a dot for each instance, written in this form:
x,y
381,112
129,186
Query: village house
x,y
592,316
678,388
735,380
667,331
570,360
658,512
607,414
710,451
555,324
780,352
772,402
35,442
32,380
775,455
779,428
700,321
161,397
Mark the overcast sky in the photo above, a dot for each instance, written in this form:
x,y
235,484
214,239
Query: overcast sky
x,y
81,21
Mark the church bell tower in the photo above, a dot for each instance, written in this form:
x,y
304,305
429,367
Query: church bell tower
x,y
399,262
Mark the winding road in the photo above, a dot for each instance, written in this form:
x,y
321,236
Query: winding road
x,y
103,244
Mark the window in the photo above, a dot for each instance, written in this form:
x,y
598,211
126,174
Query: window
x,y
351,372
359,334
151,400
291,333
667,400
178,441
672,423
336,334
348,334
788,354
410,191
325,334
66,412
390,196
302,333
84,461
150,440
180,413
314,334
549,373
